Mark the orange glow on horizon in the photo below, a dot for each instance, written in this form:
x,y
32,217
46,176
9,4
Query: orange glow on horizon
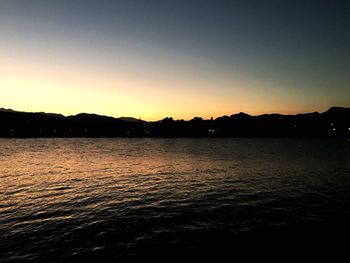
x,y
44,86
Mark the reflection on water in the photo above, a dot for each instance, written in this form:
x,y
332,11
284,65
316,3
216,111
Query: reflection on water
x,y
113,198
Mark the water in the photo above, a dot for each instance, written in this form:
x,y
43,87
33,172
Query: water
x,y
72,199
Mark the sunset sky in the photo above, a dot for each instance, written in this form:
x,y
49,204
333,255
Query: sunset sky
x,y
152,59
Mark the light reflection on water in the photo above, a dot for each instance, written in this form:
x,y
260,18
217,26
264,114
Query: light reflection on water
x,y
76,198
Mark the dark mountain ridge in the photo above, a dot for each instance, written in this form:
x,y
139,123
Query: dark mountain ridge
x,y
335,122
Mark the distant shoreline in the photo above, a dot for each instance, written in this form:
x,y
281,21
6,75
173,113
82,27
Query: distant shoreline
x,y
334,123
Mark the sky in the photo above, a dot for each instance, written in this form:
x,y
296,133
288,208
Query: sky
x,y
158,58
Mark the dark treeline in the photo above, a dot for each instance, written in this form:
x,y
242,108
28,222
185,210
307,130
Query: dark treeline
x,y
333,123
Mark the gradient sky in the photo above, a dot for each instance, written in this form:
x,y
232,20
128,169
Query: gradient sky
x,y
153,59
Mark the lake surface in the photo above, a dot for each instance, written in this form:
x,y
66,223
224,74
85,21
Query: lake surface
x,y
75,199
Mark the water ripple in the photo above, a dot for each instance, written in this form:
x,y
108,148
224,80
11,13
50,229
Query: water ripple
x,y
75,199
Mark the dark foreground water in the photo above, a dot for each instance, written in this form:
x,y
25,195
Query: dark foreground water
x,y
105,199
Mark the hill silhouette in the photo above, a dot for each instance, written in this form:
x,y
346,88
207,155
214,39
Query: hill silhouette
x,y
335,122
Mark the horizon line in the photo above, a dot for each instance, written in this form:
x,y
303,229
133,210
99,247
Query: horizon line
x,y
140,118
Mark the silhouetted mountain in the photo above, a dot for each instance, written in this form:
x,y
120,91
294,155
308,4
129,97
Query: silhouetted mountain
x,y
130,119
6,110
335,122
23,124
